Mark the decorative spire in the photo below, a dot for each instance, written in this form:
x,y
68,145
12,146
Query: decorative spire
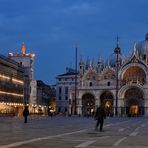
x,y
81,61
99,60
87,63
108,62
135,51
117,49
81,66
134,48
93,63
23,49
90,64
99,65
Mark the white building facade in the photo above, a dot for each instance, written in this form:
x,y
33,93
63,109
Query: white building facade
x,y
64,85
98,85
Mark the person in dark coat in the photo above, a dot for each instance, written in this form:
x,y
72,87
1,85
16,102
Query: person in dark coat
x,y
25,113
49,112
100,115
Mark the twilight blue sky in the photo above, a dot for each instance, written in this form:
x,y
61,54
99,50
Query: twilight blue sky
x,y
52,28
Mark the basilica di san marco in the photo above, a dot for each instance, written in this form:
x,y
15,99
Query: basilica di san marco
x,y
120,84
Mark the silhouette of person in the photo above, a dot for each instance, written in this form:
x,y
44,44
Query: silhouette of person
x,y
100,115
49,112
25,113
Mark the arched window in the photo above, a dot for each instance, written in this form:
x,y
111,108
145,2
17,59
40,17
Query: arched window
x,y
108,83
90,84
134,74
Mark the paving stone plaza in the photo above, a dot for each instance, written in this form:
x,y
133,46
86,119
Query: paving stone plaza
x,y
73,132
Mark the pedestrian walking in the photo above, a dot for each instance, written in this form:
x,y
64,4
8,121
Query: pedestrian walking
x,y
50,113
100,115
25,113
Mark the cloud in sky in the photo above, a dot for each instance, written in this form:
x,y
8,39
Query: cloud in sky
x,y
52,28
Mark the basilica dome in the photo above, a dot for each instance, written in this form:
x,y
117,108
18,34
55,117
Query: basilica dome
x,y
142,46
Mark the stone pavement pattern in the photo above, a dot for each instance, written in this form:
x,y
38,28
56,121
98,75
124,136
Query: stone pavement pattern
x,y
73,132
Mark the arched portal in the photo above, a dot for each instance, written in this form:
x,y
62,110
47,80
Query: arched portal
x,y
134,102
106,99
88,104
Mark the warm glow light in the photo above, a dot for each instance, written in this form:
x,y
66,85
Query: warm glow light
x,y
18,81
34,105
12,104
4,77
108,104
13,79
13,94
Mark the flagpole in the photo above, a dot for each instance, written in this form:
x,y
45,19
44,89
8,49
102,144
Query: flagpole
x,y
75,107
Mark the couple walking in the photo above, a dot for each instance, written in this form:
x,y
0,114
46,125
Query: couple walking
x,y
100,115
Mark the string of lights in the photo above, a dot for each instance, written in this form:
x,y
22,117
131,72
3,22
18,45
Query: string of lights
x,y
10,93
13,79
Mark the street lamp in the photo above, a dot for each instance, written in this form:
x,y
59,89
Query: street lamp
x,y
117,51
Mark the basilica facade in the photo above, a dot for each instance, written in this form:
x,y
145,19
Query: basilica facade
x,y
120,84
